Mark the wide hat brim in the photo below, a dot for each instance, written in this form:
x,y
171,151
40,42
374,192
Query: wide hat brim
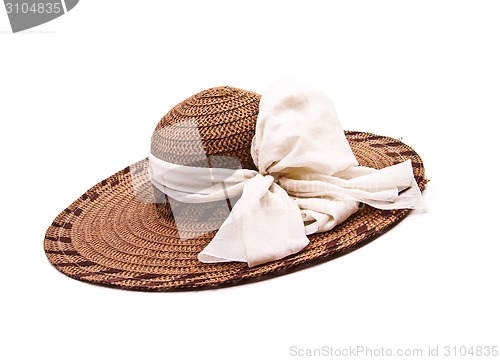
x,y
110,236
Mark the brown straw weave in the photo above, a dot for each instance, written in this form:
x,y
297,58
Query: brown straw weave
x,y
121,232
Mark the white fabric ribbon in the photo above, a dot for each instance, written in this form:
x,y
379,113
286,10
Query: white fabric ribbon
x,y
308,181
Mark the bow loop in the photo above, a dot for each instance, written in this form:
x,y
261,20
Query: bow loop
x,y
298,130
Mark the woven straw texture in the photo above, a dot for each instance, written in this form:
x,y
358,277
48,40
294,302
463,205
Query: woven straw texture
x,y
121,232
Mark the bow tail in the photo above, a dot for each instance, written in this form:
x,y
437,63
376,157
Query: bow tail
x,y
330,202
375,188
264,225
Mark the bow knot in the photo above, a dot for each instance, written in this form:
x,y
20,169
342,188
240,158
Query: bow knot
x,y
308,181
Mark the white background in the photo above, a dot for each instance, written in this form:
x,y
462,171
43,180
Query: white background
x,y
81,95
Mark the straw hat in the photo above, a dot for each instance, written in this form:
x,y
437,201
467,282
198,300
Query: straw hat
x,y
123,231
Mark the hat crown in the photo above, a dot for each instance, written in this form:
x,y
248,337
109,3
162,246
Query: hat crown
x,y
217,122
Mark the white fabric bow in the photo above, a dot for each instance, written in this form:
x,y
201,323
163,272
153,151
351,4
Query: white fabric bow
x,y
308,181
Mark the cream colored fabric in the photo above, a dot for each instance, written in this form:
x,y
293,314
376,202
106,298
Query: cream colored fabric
x,y
308,181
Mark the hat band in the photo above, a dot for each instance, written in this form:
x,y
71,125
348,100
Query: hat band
x,y
308,181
